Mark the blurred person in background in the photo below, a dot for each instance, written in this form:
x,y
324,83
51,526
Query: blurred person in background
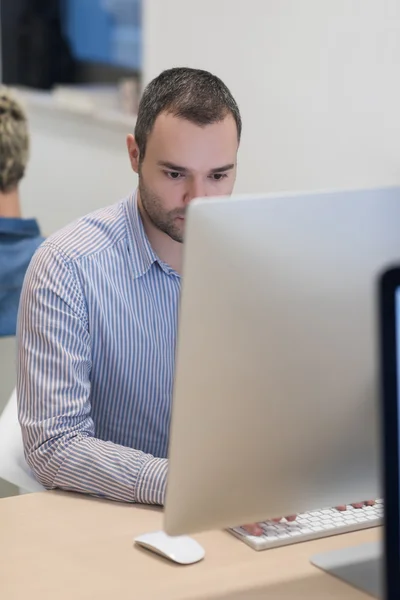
x,y
19,237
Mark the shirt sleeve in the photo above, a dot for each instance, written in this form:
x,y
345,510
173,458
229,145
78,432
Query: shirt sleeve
x,y
53,388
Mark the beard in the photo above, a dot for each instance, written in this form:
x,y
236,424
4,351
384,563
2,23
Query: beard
x,y
165,221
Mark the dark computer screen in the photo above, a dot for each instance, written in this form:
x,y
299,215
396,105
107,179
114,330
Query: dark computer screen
x,y
390,371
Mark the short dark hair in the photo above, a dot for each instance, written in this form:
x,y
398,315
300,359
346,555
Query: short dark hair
x,y
191,94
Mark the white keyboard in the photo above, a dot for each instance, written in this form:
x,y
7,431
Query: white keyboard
x,y
312,525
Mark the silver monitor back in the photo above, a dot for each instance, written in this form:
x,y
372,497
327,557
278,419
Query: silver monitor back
x,y
275,405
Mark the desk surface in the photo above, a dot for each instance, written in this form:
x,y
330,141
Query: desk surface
x,y
60,545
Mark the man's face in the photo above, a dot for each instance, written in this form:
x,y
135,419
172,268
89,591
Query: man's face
x,y
183,161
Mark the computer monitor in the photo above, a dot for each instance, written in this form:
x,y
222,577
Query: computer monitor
x,y
390,376
363,565
275,407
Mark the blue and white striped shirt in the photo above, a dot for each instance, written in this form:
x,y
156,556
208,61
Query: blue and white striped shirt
x,y
97,333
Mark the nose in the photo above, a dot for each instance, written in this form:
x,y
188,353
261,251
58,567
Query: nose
x,y
195,189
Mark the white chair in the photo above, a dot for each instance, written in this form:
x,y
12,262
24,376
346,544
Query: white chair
x,y
13,466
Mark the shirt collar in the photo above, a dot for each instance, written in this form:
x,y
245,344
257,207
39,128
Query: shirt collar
x,y
142,252
16,227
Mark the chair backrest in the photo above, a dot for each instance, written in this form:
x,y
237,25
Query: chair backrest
x,y
13,466
8,370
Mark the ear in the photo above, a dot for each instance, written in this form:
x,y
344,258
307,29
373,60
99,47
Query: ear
x,y
133,151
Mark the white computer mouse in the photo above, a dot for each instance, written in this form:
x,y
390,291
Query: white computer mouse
x,y
181,549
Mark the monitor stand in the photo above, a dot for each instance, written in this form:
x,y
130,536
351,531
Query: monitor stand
x,y
360,566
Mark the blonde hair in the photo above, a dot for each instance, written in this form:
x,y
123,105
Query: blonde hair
x,y
14,141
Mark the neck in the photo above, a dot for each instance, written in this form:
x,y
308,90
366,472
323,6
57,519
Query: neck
x,y
167,250
10,205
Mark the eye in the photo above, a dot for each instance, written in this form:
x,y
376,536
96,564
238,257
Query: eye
x,y
173,174
218,176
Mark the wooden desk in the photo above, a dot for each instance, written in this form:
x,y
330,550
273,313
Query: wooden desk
x,y
64,546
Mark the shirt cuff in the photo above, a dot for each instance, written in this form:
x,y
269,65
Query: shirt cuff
x,y
152,482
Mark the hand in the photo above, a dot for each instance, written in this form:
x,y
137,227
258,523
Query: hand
x,y
256,529
343,507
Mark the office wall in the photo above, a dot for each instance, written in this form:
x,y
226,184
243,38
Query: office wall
x,y
78,164
317,82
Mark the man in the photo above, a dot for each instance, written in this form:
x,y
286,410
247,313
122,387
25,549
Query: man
x,y
98,316
19,238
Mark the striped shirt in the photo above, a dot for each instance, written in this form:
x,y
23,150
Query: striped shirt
x,y
97,333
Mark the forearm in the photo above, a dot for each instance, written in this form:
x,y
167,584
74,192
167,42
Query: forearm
x,y
88,465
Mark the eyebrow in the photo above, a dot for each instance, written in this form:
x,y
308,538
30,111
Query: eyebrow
x,y
179,169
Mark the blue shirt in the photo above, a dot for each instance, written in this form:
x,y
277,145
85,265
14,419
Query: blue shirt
x,y
19,238
97,332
